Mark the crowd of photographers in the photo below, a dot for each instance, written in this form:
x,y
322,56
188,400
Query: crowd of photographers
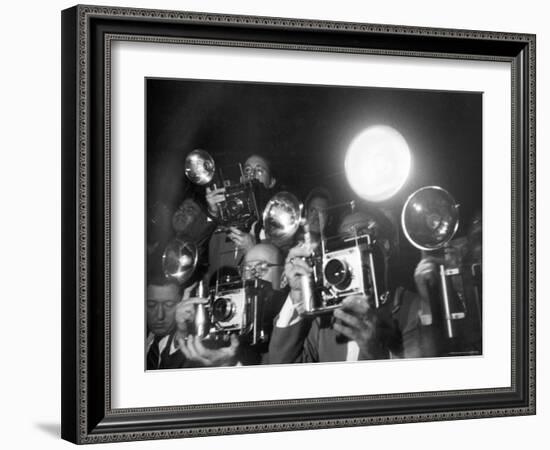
x,y
399,327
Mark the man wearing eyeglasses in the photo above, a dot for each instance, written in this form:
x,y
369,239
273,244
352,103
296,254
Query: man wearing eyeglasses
x,y
258,168
262,262
255,167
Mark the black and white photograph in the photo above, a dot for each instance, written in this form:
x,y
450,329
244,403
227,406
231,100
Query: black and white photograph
x,y
295,223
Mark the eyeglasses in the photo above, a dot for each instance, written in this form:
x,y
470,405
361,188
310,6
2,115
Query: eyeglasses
x,y
256,269
251,172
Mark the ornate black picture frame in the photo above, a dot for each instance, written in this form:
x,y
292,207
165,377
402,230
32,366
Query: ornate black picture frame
x,y
87,35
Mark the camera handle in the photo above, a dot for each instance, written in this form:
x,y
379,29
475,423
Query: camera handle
x,y
308,282
202,324
371,270
256,329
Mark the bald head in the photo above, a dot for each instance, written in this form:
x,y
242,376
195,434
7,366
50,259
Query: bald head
x,y
358,221
265,261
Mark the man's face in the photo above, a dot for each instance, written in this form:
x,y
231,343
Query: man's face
x,y
257,167
264,262
187,217
161,308
317,214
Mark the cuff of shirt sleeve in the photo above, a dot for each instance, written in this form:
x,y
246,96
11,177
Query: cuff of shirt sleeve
x,y
289,315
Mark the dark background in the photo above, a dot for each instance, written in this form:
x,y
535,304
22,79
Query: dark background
x,y
305,130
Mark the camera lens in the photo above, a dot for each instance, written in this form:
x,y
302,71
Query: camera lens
x,y
337,273
235,206
222,309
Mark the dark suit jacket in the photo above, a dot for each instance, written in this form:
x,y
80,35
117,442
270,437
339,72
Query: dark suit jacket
x,y
167,360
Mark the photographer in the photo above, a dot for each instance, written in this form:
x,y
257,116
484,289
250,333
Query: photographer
x,y
263,262
163,297
258,168
189,219
188,222
227,249
170,327
463,256
355,331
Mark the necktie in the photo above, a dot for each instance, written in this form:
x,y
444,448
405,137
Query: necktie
x,y
153,355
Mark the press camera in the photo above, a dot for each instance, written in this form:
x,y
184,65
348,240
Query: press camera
x,y
240,207
235,307
347,263
344,261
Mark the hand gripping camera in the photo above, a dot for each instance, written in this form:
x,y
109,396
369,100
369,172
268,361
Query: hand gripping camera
x,y
343,264
430,220
240,208
349,263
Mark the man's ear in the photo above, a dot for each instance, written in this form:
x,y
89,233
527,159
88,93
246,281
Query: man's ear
x,y
273,182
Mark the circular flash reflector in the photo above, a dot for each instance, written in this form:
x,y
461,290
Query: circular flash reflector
x,y
377,163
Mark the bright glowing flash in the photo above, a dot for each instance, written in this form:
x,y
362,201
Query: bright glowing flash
x,y
377,163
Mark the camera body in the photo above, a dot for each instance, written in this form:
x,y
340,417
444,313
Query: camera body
x,y
240,207
228,310
236,307
344,272
344,267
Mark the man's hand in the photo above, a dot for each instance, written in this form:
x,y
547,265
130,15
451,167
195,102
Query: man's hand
x,y
425,275
185,315
244,241
296,267
357,321
214,197
195,351
187,291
